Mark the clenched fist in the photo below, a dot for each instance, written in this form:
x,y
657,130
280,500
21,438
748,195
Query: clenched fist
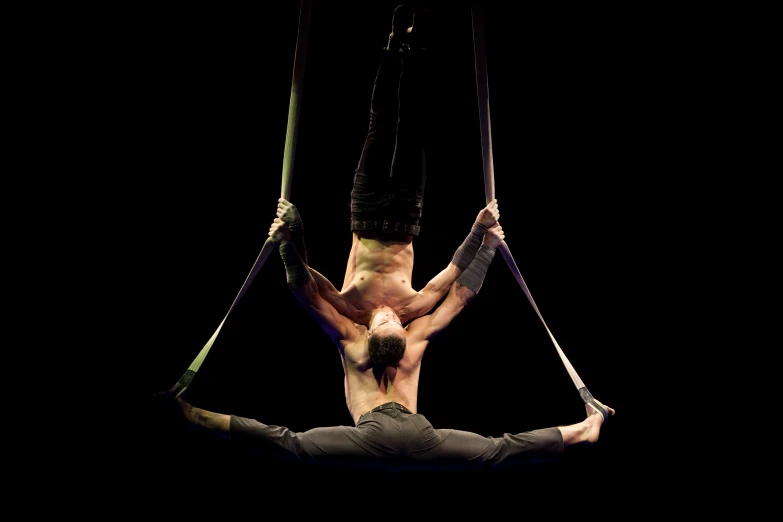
x,y
490,214
279,231
494,236
288,213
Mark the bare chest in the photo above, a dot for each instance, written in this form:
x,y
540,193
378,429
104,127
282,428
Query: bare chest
x,y
370,290
382,276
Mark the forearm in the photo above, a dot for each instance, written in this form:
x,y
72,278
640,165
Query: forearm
x,y
325,287
296,270
440,284
473,276
203,420
301,281
330,293
296,229
467,250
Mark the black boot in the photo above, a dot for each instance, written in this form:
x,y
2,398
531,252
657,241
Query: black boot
x,y
401,27
420,33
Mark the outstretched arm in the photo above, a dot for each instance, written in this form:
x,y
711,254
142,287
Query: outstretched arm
x,y
333,296
437,287
289,214
180,415
305,287
216,423
463,290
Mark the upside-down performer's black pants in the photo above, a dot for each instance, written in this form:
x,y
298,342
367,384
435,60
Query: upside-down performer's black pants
x,y
390,177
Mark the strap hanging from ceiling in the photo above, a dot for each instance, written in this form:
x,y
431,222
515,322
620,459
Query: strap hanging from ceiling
x,y
482,87
285,190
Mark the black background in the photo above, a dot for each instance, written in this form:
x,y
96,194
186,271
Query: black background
x,y
577,101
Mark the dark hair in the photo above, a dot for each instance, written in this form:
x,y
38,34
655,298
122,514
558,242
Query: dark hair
x,y
386,350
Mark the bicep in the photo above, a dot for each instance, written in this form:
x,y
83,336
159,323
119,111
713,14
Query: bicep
x,y
330,293
324,285
440,283
336,325
430,325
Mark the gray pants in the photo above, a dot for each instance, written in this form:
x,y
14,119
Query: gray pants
x,y
394,440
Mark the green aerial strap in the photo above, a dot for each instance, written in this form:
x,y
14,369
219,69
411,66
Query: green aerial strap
x,y
489,190
285,191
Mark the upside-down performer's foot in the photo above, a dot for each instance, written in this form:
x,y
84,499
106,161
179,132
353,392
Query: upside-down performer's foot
x,y
402,20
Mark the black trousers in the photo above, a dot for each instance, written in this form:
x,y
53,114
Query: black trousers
x,y
397,441
390,177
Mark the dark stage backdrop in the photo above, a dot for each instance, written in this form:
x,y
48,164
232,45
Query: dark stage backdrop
x,y
570,108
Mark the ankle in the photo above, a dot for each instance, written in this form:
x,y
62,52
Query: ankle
x,y
399,42
575,433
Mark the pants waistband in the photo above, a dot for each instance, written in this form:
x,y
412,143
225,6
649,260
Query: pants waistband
x,y
389,406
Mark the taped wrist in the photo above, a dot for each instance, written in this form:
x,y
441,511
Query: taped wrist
x,y
473,276
297,236
467,250
296,271
296,229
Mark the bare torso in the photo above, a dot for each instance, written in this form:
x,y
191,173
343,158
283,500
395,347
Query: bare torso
x,y
378,274
366,388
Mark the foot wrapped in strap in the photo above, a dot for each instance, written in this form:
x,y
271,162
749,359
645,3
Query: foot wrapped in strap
x,y
588,399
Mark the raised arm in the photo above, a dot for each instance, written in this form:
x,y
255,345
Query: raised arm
x,y
437,287
462,291
289,214
305,287
333,296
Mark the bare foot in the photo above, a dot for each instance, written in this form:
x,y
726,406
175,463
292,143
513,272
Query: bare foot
x,y
587,431
594,421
